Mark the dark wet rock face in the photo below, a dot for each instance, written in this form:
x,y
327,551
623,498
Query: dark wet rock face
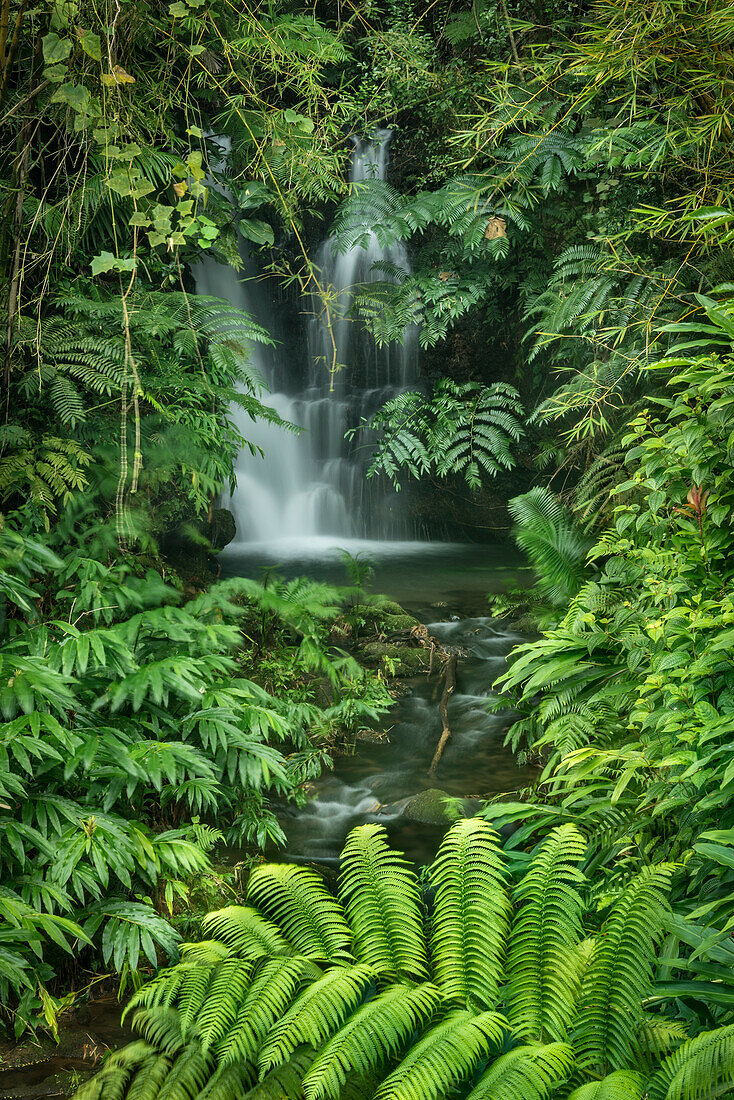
x,y
221,529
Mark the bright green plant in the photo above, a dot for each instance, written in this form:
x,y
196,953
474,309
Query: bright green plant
x,y
126,715
462,428
553,541
495,994
629,697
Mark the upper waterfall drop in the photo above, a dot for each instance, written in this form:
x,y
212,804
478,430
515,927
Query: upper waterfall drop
x,y
313,483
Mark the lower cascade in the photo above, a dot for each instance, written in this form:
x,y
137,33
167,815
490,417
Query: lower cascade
x,y
311,484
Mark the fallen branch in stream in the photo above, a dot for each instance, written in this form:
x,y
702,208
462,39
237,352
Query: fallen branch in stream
x,y
449,685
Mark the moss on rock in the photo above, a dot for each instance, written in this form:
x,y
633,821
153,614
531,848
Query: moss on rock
x,y
400,660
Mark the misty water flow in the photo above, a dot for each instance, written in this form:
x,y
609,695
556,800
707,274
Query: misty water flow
x,y
308,499
445,585
312,485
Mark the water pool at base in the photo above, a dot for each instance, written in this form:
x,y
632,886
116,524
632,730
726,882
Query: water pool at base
x,y
445,585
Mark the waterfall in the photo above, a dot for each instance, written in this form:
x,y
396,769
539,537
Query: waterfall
x,y
313,484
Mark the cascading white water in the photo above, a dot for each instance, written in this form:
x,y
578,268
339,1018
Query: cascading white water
x,y
313,484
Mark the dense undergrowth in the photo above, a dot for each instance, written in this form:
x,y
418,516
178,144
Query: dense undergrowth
x,y
563,175
140,727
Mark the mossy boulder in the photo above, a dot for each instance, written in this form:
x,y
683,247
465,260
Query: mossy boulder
x,y
383,605
404,661
430,808
392,624
222,528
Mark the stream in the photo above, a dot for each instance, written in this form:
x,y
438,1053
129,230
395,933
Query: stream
x,y
445,585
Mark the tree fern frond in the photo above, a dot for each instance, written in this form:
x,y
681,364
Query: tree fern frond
x,y
445,1056
137,1061
622,1085
376,1032
319,1011
620,973
311,919
556,547
701,1069
531,1072
239,1025
470,914
228,1083
246,932
382,902
283,1083
542,983
161,1028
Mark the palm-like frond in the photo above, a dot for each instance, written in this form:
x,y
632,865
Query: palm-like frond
x,y
543,982
382,902
470,914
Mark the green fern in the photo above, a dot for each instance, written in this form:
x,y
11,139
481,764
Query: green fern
x,y
701,1069
555,545
320,1010
310,918
543,985
375,1033
619,974
531,1072
470,914
462,428
622,1085
381,900
337,1030
445,1056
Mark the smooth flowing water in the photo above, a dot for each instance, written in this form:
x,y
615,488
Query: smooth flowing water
x,y
445,586
312,484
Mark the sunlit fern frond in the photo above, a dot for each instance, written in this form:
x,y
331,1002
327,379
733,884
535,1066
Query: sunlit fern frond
x,y
382,902
531,1072
543,982
620,973
376,1032
246,932
622,1085
470,914
447,1055
701,1069
320,1010
296,899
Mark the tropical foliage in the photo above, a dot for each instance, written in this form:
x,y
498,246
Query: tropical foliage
x,y
129,726
462,428
635,680
562,177
495,992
